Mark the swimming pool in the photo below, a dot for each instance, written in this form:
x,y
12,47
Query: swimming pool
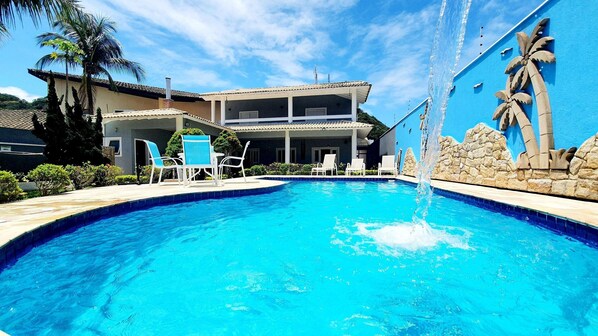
x,y
313,258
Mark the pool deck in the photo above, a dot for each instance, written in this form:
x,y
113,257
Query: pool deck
x,y
23,216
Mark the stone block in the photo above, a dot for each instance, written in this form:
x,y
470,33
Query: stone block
x,y
558,175
575,165
590,174
517,184
540,174
564,187
587,189
490,182
501,179
539,185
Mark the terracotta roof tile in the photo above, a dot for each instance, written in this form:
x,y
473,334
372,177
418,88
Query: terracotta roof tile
x,y
20,119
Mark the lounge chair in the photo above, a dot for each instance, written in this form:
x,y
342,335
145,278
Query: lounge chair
x,y
198,154
356,165
158,163
388,165
329,164
226,162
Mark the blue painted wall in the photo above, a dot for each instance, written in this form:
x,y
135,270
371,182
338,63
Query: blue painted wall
x,y
571,81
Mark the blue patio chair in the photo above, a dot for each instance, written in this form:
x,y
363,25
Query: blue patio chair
x,y
198,154
158,162
226,162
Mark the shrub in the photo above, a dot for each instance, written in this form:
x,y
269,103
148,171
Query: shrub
x,y
105,175
146,173
49,178
81,176
175,144
126,179
256,170
9,187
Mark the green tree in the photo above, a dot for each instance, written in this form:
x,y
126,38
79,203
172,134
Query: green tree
x,y
10,102
54,132
227,143
39,103
175,144
82,141
65,51
13,10
379,127
101,51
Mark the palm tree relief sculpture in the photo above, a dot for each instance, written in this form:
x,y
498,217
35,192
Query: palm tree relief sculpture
x,y
510,111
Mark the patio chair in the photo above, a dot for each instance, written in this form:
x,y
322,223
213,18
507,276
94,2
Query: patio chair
x,y
198,154
226,162
388,165
329,164
356,165
158,163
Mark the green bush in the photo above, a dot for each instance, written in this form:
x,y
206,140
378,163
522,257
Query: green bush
x,y
146,173
126,179
49,178
9,187
105,175
256,170
81,176
175,144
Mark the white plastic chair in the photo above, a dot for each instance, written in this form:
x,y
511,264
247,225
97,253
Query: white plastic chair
x,y
388,165
356,165
241,159
158,162
329,164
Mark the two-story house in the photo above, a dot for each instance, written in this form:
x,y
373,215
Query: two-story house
x,y
291,124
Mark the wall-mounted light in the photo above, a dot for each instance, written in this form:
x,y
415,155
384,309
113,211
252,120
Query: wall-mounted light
x,y
478,85
505,51
115,129
186,124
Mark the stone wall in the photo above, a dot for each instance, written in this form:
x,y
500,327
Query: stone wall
x,y
483,158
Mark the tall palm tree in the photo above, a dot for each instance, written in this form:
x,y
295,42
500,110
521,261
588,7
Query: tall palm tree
x,y
101,51
66,51
511,113
533,51
11,10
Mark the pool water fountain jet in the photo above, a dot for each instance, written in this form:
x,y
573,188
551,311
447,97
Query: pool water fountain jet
x,y
444,58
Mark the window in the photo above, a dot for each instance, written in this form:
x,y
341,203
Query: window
x,y
122,110
317,153
5,148
315,111
248,114
114,142
253,156
280,155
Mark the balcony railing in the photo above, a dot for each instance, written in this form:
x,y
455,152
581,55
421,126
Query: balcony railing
x,y
287,119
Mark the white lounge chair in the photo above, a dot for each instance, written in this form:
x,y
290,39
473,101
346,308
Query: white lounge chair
x,y
158,163
388,165
356,165
226,162
329,164
198,154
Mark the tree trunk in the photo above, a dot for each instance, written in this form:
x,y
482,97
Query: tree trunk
x,y
529,138
544,115
89,90
66,94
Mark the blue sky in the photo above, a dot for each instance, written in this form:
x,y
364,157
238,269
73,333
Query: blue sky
x,y
211,45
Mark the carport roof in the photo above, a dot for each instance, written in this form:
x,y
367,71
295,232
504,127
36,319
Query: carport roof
x,y
362,128
159,114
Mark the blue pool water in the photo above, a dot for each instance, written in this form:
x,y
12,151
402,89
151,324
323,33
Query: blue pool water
x,y
312,259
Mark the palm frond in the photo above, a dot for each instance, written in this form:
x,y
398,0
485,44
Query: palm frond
x,y
538,30
513,64
502,95
3,32
522,97
503,123
544,56
123,65
540,44
500,110
522,41
11,11
517,79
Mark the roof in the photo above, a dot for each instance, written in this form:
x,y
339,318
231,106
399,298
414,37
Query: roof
x,y
312,126
363,89
123,87
20,119
158,114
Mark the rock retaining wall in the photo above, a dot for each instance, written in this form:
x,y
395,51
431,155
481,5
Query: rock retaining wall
x,y
483,158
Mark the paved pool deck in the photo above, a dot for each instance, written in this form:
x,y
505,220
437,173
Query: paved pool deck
x,y
20,217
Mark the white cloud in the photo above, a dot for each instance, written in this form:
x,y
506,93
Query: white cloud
x,y
15,91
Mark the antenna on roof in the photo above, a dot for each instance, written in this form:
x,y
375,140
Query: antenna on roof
x,y
316,73
481,38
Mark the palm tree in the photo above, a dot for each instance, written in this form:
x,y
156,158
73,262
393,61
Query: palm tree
x,y
101,51
67,52
532,52
511,113
11,10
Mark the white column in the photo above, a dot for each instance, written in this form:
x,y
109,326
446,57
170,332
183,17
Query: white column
x,y
354,144
290,103
354,104
179,123
213,111
287,147
223,112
